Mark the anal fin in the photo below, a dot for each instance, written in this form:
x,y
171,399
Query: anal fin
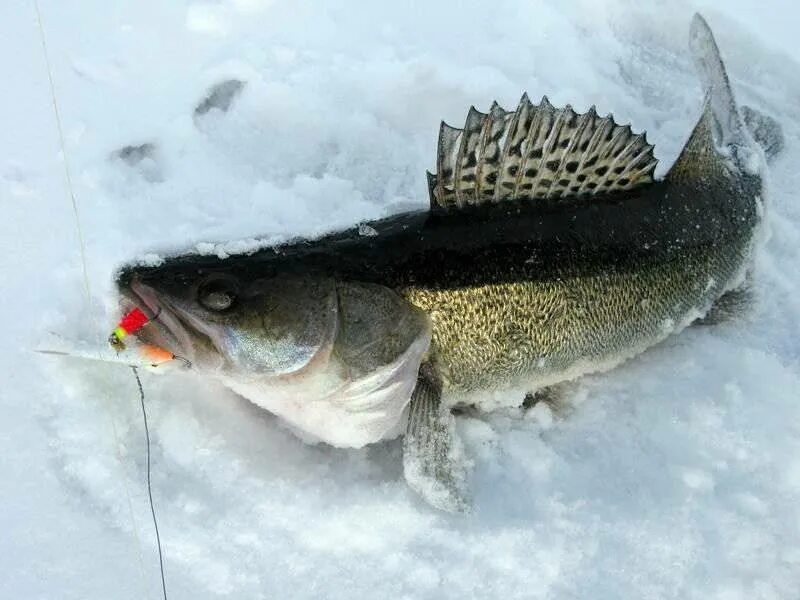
x,y
555,397
433,458
730,306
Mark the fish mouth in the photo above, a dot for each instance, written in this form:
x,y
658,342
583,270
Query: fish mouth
x,y
167,330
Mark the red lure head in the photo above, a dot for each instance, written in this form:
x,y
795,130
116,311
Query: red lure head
x,y
130,323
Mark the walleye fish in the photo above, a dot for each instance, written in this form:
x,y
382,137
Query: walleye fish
x,y
548,252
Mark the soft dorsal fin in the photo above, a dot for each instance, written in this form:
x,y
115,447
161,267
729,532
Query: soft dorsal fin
x,y
536,152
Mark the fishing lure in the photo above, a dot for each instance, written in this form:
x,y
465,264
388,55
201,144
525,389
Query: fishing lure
x,y
132,322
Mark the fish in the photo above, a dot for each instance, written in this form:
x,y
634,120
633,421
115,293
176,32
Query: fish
x,y
549,251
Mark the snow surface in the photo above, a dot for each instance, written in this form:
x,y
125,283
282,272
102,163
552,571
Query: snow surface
x,y
674,476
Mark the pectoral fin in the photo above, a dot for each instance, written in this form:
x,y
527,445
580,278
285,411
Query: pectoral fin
x,y
433,458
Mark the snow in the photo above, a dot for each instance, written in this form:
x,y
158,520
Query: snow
x,y
676,475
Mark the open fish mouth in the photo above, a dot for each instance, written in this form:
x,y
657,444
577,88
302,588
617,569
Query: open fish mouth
x,y
166,330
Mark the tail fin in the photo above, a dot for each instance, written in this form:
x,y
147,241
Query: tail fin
x,y
765,130
720,131
727,125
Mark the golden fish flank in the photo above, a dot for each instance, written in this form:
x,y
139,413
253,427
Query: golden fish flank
x,y
531,333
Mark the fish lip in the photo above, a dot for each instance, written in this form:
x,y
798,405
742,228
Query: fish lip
x,y
164,316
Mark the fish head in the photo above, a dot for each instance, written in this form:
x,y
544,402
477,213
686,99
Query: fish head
x,y
234,321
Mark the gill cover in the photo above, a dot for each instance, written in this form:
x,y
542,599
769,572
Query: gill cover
x,y
277,326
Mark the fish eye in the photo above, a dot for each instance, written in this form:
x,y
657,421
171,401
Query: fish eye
x,y
217,294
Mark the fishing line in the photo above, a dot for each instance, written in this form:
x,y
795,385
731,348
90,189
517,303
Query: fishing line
x,y
149,485
67,175
87,292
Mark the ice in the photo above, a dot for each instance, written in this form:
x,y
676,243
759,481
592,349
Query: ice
x,y
676,475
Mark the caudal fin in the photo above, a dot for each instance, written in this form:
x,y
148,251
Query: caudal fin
x,y
731,127
720,141
727,124
765,130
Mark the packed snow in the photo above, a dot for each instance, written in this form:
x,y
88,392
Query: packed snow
x,y
676,475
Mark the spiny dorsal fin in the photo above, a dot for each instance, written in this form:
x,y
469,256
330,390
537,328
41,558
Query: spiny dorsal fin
x,y
537,152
